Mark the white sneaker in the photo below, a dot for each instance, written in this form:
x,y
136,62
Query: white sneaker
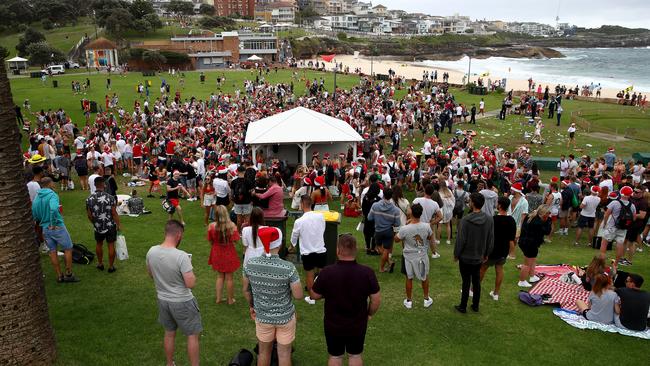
x,y
310,301
428,302
435,255
448,242
495,297
524,284
534,279
408,304
471,293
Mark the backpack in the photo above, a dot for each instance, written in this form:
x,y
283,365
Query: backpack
x,y
243,357
625,217
459,204
530,299
240,191
81,254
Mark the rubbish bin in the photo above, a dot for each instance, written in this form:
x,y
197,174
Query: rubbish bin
x,y
280,223
55,83
202,78
93,106
331,236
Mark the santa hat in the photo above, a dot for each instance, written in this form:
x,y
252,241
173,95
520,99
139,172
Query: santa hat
x,y
326,156
554,179
270,237
517,187
612,195
566,182
349,197
611,149
314,154
507,170
484,176
595,189
319,181
475,173
222,170
627,191
306,181
586,180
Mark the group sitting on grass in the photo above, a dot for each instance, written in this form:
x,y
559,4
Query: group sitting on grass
x,y
194,149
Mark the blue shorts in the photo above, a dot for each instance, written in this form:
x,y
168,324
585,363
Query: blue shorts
x,y
58,236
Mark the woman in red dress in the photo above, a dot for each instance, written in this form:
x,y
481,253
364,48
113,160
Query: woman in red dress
x,y
223,257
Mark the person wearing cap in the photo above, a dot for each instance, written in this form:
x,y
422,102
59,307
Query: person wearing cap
x,y
321,195
587,217
352,297
269,284
309,231
172,272
615,230
633,235
518,209
474,243
46,211
610,158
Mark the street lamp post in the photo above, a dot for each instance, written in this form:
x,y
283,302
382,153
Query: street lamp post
x,y
469,70
336,68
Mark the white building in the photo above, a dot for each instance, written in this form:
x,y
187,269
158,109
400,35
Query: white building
x,y
456,24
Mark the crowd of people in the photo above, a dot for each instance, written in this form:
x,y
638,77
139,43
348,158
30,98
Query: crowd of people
x,y
491,199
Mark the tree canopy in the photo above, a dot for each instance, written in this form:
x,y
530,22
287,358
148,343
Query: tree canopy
x,y
30,36
41,53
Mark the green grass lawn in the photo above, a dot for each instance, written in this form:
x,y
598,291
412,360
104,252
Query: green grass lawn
x,y
63,38
111,319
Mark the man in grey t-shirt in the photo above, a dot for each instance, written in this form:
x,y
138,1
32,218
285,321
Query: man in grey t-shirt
x,y
171,270
415,237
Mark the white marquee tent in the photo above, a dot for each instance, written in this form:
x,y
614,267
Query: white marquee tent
x,y
303,128
17,63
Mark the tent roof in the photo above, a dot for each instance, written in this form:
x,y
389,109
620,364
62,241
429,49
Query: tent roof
x,y
17,59
101,43
300,125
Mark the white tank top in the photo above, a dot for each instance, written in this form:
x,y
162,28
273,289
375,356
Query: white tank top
x,y
555,205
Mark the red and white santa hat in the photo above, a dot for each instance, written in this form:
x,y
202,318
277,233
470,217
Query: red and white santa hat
x,y
306,181
222,170
517,187
626,191
320,181
595,189
270,237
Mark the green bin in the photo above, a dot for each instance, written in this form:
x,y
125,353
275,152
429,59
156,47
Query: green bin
x,y
331,235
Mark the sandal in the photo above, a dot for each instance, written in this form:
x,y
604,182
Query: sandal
x,y
100,267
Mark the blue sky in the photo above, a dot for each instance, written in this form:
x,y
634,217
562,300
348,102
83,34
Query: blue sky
x,y
586,13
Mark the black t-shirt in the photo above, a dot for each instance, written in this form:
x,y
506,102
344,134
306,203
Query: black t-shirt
x,y
640,204
505,230
634,308
346,286
172,183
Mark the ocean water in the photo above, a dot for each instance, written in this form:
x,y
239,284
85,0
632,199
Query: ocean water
x,y
616,68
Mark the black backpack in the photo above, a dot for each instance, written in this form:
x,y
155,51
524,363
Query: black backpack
x,y
81,254
243,358
625,217
459,205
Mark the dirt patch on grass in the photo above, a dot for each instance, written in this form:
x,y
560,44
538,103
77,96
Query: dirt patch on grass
x,y
608,136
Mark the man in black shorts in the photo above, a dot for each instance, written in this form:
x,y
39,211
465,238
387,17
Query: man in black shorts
x,y
346,287
504,237
309,231
101,208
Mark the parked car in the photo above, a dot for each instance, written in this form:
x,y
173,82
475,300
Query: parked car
x,y
71,65
54,70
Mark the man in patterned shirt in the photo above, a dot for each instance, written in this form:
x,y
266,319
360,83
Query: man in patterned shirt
x,y
269,283
102,213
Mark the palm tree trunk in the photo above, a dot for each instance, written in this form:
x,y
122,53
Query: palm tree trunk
x,y
26,336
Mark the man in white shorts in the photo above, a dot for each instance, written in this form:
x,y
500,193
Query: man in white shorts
x,y
614,229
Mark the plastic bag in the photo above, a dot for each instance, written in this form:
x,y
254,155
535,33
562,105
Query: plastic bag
x,y
120,248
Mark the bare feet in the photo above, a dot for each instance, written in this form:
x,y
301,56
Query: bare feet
x,y
232,301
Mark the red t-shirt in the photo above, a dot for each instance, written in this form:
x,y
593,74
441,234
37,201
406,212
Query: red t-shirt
x,y
137,151
171,146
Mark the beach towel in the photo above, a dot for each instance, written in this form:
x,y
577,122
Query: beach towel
x,y
578,321
555,270
562,293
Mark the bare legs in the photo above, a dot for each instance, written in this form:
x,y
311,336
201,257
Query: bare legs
x,y
192,348
227,278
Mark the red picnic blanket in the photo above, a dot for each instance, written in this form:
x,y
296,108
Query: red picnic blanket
x,y
563,293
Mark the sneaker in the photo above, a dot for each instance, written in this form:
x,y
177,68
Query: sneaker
x,y
459,309
408,304
534,279
547,240
448,242
428,302
471,293
435,255
524,284
576,244
70,278
495,297
639,249
310,301
560,232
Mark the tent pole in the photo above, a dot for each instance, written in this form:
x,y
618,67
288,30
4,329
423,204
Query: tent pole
x,y
354,150
304,148
253,152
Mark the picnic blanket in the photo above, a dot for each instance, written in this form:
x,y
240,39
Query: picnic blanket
x,y
555,270
563,293
578,321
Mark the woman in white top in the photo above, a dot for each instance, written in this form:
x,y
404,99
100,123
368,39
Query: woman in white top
x,y
448,203
572,135
306,189
250,237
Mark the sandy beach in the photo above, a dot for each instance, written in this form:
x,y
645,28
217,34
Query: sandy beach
x,y
414,70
